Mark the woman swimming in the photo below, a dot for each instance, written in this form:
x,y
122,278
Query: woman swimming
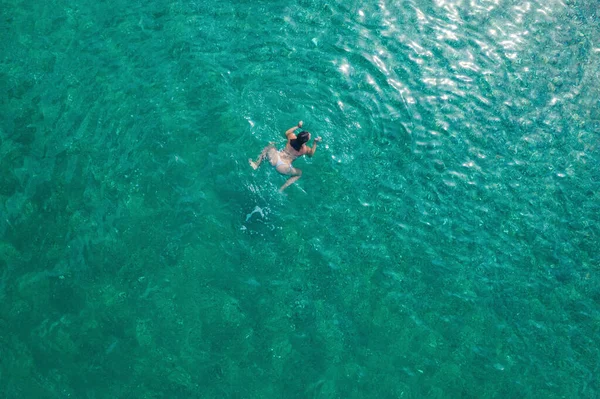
x,y
282,160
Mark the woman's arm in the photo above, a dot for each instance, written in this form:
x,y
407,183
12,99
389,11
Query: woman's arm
x,y
311,150
290,131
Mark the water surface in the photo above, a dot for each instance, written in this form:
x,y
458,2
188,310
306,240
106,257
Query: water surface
x,y
442,243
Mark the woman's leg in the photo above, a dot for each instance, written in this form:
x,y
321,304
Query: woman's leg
x,y
296,174
261,157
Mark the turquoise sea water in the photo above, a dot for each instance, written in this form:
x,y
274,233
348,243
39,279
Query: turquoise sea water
x,y
442,242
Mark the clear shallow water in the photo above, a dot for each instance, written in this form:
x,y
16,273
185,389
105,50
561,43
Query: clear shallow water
x,y
442,242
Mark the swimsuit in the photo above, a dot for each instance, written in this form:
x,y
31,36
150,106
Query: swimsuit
x,y
280,162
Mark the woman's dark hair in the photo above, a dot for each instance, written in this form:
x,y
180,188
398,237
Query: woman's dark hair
x,y
300,139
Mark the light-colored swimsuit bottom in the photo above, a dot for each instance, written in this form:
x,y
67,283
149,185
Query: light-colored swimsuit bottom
x,y
280,162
